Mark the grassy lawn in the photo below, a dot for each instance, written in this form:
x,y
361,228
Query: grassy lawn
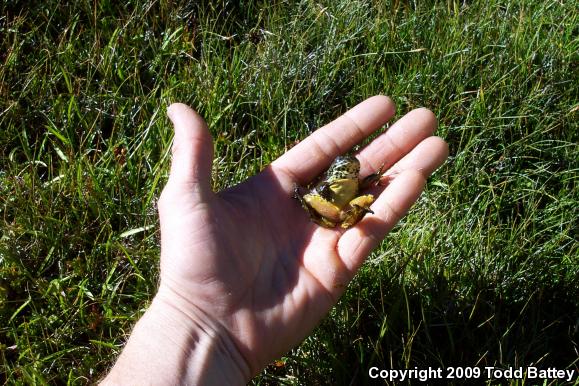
x,y
484,271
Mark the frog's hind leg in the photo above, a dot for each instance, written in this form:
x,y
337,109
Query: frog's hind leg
x,y
358,209
314,216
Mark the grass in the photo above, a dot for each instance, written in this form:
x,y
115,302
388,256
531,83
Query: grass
x,y
482,272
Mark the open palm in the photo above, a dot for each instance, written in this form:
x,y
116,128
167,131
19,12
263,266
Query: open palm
x,y
247,263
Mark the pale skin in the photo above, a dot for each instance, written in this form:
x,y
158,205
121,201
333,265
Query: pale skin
x,y
245,275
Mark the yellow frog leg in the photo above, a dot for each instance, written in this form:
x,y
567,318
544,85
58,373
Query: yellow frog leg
x,y
307,200
359,206
324,208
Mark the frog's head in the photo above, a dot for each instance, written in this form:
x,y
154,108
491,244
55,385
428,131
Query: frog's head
x,y
345,167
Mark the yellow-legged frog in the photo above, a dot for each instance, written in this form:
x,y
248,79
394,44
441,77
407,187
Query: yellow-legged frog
x,y
335,199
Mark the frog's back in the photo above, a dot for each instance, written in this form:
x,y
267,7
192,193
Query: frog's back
x,y
344,167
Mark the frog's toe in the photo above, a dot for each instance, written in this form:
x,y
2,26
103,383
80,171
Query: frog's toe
x,y
365,209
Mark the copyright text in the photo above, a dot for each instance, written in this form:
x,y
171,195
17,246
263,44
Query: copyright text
x,y
488,372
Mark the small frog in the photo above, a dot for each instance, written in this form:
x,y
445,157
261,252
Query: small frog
x,y
335,200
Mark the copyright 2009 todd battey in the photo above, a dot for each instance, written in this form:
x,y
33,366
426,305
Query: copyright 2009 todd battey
x,y
528,373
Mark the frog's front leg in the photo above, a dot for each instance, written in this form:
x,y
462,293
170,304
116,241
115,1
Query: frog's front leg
x,y
372,180
359,206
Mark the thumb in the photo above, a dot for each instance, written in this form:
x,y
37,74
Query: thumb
x,y
192,150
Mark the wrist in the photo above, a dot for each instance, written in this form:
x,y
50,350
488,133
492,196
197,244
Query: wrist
x,y
169,346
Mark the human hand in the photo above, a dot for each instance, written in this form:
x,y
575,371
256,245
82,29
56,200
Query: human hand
x,y
246,266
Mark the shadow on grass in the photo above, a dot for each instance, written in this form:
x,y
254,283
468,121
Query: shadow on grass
x,y
390,327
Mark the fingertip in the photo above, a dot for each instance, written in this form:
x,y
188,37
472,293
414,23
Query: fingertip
x,y
388,104
427,118
182,115
426,157
382,104
175,108
192,150
442,147
373,112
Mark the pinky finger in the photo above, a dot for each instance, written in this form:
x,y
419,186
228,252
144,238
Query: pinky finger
x,y
357,243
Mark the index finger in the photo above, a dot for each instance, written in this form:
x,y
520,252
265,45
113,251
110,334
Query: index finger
x,y
311,156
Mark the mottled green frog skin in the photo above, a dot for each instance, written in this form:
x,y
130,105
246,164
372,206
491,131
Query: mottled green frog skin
x,y
344,167
335,200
